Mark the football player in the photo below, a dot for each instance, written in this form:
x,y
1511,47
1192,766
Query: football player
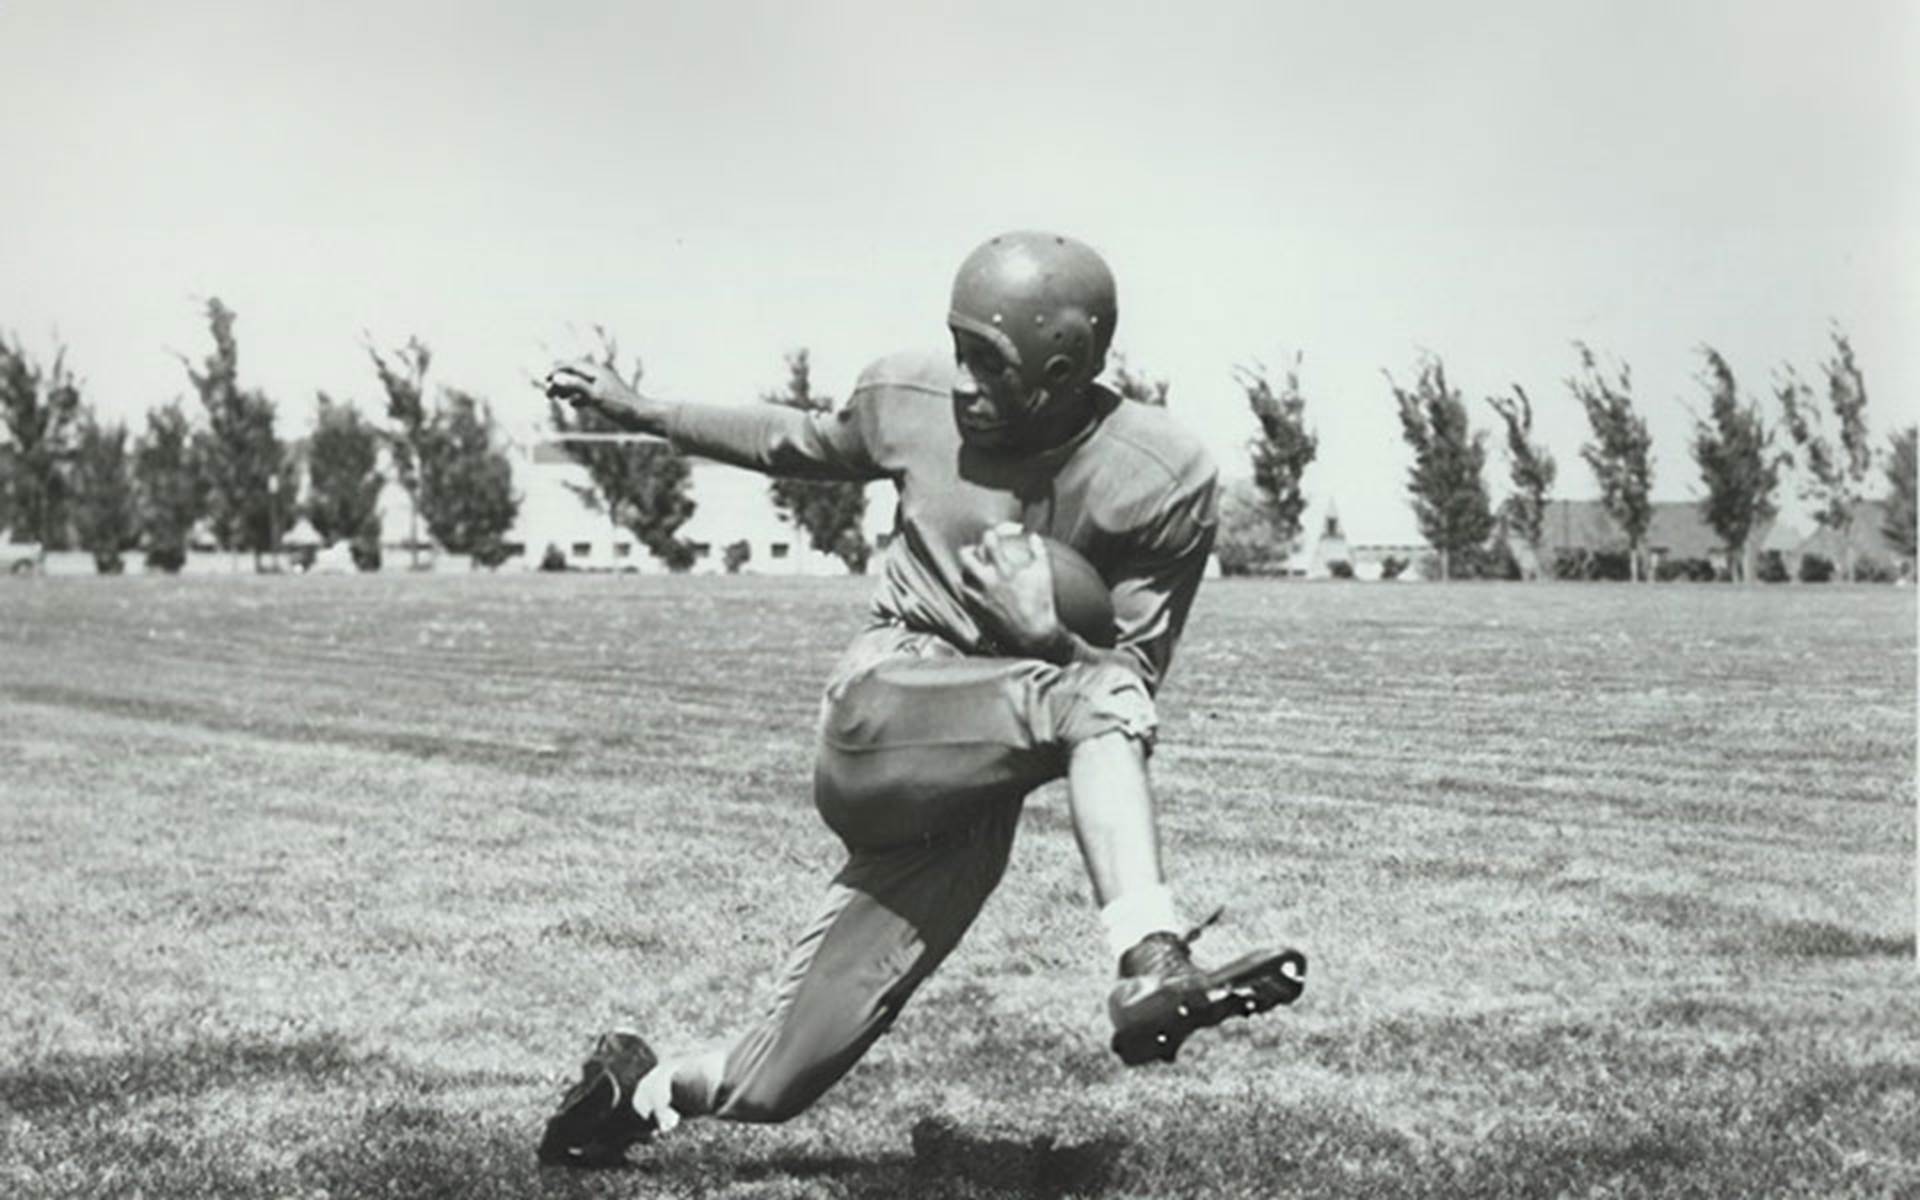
x,y
965,691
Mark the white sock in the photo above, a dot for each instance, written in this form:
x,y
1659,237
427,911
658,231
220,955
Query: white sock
x,y
1134,915
653,1097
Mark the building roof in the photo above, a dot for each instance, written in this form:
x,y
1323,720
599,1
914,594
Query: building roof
x,y
1677,529
302,534
1868,535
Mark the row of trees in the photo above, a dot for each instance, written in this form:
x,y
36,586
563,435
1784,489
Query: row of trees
x,y
69,478
1741,458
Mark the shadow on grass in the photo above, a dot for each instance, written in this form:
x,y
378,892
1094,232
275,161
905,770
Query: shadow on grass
x,y
216,718
947,1162
1820,939
1744,931
1036,1166
220,1119
69,1081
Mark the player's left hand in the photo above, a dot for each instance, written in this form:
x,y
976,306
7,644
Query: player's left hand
x,y
1008,580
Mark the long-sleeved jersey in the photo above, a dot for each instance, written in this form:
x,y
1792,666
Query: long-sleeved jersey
x,y
1132,492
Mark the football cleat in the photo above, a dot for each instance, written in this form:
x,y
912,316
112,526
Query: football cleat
x,y
597,1120
1163,996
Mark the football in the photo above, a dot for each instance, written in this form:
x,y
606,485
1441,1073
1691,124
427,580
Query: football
x,y
1080,595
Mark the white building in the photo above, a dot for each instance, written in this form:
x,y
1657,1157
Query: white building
x,y
731,506
1326,540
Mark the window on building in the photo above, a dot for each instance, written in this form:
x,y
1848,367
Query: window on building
x,y
622,549
777,550
583,549
880,540
700,549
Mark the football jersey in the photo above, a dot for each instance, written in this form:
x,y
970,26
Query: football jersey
x,y
1131,491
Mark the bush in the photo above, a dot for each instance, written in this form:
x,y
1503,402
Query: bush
x,y
166,558
1868,569
1340,569
736,555
1495,560
555,559
1770,566
1813,569
1391,567
1598,564
491,551
678,555
366,554
108,562
1247,543
1688,570
1616,565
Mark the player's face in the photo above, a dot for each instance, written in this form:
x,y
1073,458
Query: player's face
x,y
992,404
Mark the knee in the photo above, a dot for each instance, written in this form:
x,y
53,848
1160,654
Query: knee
x,y
1090,700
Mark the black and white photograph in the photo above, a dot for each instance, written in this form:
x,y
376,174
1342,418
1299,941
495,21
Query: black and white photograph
x,y
857,600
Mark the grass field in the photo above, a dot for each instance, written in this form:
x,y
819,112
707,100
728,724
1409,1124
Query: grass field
x,y
321,887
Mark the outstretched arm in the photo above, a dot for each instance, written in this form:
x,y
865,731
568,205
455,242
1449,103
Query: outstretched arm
x,y
761,437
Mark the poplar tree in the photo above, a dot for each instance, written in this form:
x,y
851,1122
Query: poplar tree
x,y
169,488
467,479
1620,452
1445,483
405,382
1532,470
40,416
1284,447
1900,467
642,486
245,466
1734,449
344,479
829,510
1836,464
105,516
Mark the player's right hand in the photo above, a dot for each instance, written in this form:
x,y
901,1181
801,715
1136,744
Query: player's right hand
x,y
585,383
595,386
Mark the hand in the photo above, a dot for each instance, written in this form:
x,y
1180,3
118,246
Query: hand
x,y
585,383
1008,580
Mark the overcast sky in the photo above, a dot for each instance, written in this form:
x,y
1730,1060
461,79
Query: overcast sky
x,y
719,183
